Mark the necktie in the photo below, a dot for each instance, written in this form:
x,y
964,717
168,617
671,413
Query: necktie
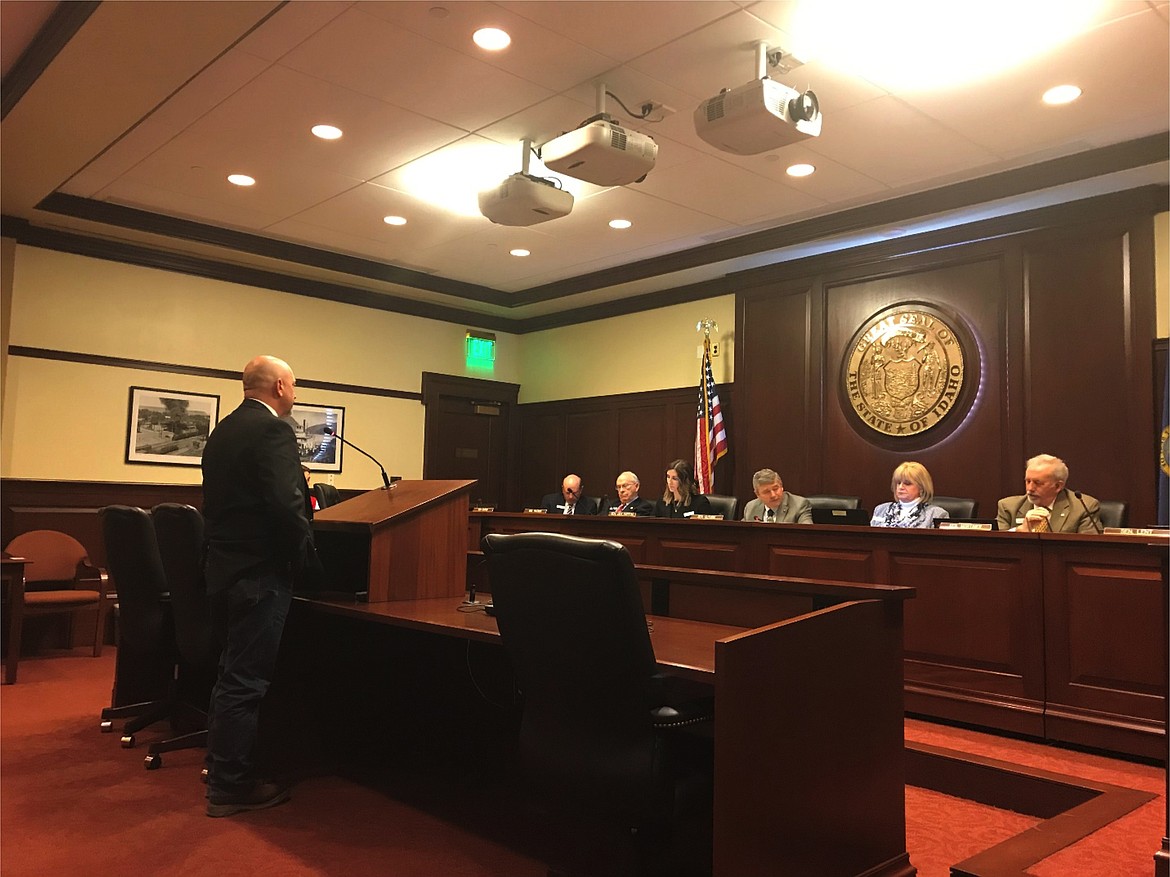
x,y
1039,525
568,509
622,507
769,515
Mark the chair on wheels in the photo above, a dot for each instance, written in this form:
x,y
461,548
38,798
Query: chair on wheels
x,y
326,494
1113,513
179,531
723,505
833,501
596,729
957,506
58,579
145,670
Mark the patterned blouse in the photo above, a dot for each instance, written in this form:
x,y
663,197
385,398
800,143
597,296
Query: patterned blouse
x,y
920,514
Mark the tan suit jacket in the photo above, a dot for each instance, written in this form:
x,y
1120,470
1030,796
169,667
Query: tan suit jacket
x,y
1069,515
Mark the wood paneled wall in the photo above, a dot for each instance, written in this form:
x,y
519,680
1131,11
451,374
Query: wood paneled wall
x,y
598,438
1062,321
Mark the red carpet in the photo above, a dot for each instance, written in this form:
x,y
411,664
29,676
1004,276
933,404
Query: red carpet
x,y
72,801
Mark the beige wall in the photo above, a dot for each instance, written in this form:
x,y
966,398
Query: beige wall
x,y
68,420
652,350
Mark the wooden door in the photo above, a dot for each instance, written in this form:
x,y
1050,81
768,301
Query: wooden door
x,y
468,433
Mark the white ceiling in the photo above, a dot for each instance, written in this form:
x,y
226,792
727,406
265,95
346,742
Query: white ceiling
x,y
151,104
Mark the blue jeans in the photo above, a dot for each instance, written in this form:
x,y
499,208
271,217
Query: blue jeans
x,y
249,618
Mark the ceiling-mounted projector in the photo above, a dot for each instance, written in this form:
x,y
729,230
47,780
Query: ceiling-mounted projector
x,y
524,200
601,152
761,115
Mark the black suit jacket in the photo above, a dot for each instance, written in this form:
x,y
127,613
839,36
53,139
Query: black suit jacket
x,y
700,505
643,508
553,503
254,498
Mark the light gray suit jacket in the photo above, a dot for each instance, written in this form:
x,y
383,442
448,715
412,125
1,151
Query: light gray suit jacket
x,y
793,510
1069,515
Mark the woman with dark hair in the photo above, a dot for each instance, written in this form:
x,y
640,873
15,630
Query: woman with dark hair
x,y
681,499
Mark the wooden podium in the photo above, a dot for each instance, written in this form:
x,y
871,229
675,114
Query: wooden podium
x,y
405,543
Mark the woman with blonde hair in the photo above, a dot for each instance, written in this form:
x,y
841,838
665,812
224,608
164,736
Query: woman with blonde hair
x,y
913,490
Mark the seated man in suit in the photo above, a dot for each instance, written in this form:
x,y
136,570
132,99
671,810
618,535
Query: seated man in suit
x,y
773,505
570,501
1047,505
628,500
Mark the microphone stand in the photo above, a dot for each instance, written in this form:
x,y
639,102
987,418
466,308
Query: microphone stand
x,y
1097,525
385,477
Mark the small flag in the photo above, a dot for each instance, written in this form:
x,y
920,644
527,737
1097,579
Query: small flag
x,y
710,436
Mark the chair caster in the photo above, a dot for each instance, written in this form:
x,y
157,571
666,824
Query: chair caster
x,y
152,762
128,741
107,726
203,776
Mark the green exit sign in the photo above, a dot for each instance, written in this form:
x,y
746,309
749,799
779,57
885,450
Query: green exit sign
x,y
481,349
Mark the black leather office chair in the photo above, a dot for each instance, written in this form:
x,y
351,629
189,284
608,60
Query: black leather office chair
x,y
832,501
723,505
594,735
957,506
145,668
326,494
179,531
1114,513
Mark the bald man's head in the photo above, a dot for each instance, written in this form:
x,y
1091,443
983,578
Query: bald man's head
x,y
271,380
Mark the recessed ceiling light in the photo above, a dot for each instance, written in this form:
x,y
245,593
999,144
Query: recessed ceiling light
x,y
326,132
241,180
1061,94
800,170
491,39
620,223
520,252
394,220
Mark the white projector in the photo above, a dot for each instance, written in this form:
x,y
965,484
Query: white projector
x,y
524,200
602,153
762,115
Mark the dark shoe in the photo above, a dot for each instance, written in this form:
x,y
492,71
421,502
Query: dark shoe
x,y
262,795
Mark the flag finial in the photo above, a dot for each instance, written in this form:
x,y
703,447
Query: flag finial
x,y
706,327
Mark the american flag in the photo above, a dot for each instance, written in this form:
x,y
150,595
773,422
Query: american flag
x,y
710,436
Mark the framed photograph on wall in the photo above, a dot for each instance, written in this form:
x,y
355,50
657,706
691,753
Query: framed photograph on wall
x,y
169,427
319,450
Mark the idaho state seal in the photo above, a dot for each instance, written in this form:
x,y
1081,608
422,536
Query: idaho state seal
x,y
904,372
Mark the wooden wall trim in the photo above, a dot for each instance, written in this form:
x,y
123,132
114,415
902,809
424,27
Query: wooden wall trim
x,y
64,22
197,266
1147,199
198,371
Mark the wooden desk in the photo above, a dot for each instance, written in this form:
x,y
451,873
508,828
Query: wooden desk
x,y
809,764
1011,631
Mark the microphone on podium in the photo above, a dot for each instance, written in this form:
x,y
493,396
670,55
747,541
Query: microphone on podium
x,y
329,430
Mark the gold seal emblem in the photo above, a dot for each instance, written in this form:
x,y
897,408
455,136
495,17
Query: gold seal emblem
x,y
905,372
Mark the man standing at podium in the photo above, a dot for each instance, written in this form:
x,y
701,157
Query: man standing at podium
x,y
258,538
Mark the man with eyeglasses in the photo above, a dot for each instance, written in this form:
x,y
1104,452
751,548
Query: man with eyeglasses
x,y
628,502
